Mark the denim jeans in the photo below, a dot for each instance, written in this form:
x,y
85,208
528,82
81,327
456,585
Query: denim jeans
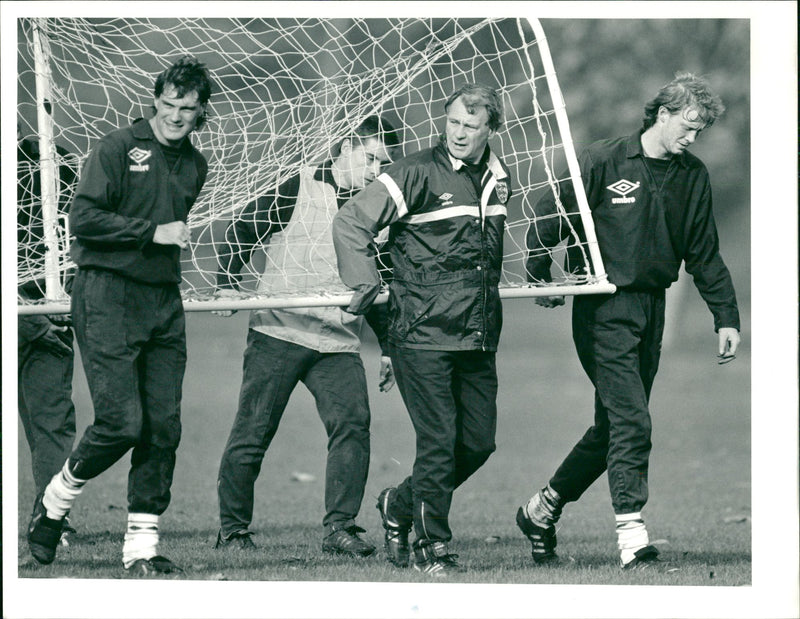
x,y
133,346
451,399
46,408
272,368
618,339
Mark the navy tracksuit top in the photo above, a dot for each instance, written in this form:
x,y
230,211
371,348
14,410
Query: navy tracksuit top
x,y
645,229
127,189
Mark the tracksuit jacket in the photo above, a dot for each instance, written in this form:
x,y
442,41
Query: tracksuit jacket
x,y
126,190
446,247
644,231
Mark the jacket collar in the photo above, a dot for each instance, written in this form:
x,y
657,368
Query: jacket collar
x,y
633,148
142,130
492,163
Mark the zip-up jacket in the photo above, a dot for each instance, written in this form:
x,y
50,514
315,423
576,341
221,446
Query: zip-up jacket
x,y
126,190
645,228
294,226
446,247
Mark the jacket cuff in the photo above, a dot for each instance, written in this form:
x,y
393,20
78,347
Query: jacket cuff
x,y
363,297
148,235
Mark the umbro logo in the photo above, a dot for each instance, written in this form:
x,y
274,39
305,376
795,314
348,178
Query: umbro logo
x,y
623,187
445,198
139,156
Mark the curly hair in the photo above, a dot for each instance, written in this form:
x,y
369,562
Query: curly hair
x,y
686,90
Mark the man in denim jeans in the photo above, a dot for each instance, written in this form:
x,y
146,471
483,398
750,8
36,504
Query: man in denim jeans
x,y
318,346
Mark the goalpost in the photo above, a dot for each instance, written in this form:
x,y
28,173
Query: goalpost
x,y
288,90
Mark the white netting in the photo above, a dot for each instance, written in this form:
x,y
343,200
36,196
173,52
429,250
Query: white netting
x,y
287,90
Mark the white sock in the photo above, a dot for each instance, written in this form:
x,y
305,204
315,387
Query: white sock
x,y
141,538
631,535
61,493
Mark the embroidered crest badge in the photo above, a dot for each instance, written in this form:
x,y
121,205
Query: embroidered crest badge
x,y
502,191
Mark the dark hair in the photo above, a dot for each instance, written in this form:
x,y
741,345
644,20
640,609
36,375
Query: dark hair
x,y
372,127
685,90
478,95
187,75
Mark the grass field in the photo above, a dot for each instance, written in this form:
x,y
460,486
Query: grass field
x,y
698,515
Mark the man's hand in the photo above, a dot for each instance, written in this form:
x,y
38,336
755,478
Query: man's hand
x,y
173,233
52,342
554,301
226,293
729,339
387,374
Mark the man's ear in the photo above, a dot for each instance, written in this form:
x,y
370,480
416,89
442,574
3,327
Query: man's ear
x,y
346,146
202,117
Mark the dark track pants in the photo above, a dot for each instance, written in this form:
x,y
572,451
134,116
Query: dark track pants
x,y
272,368
618,339
46,408
133,345
451,399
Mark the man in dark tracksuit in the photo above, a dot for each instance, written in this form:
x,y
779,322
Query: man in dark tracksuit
x,y
445,208
318,346
129,219
44,343
651,205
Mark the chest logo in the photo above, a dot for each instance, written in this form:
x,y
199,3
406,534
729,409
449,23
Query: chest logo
x,y
445,199
139,156
502,191
623,187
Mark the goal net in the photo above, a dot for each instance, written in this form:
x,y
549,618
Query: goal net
x,y
287,92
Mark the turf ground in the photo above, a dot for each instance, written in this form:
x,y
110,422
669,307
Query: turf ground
x,y
698,515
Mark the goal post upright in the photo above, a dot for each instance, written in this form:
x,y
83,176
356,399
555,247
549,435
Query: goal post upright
x,y
47,162
560,110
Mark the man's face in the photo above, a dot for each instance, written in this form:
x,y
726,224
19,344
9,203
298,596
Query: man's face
x,y
361,162
467,134
678,131
175,117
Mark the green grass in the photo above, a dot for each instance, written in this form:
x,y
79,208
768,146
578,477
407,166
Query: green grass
x,y
698,514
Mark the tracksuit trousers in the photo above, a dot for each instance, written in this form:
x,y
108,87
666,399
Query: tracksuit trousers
x,y
133,345
451,398
618,339
272,368
46,408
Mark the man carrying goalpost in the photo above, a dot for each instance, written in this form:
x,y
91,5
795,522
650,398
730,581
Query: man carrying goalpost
x,y
316,346
651,205
129,219
445,208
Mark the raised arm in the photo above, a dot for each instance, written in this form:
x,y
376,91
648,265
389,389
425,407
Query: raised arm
x,y
253,226
549,227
